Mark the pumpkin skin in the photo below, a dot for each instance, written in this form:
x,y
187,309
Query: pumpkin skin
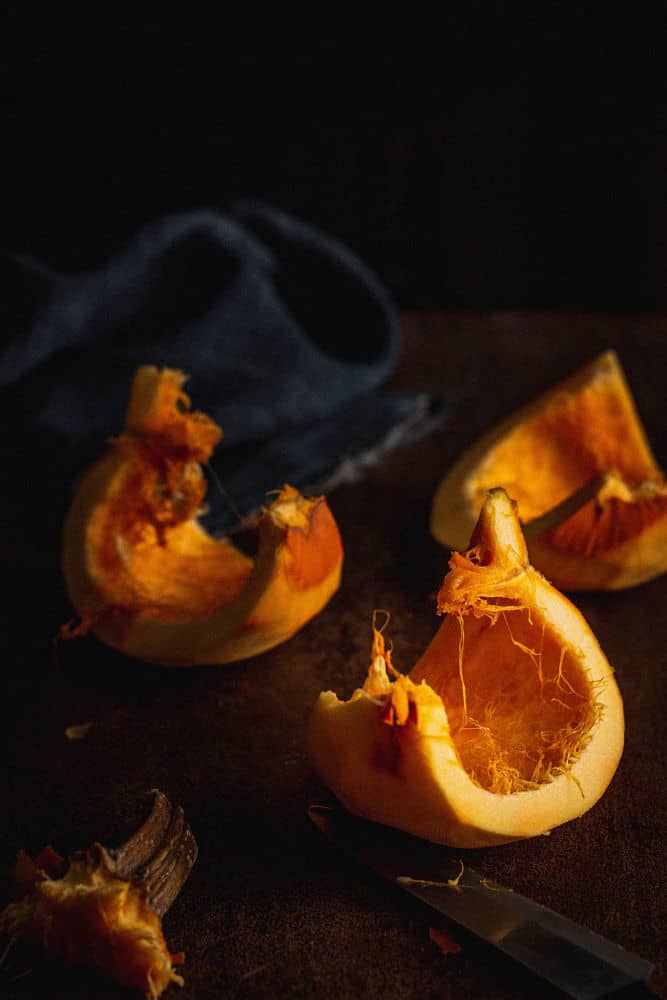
x,y
145,576
510,723
577,460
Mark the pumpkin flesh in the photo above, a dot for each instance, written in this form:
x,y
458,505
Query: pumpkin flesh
x,y
519,707
508,725
91,918
583,439
147,577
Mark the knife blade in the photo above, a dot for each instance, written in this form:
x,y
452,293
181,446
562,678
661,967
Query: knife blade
x,y
573,959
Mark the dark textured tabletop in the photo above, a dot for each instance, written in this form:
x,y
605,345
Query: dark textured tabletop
x,y
270,910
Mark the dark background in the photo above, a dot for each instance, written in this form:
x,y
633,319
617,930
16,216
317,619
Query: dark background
x,y
481,159
486,156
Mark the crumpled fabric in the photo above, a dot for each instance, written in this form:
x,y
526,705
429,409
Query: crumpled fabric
x,y
286,336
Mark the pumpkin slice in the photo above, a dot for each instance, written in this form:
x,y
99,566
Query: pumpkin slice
x,y
510,723
589,490
148,579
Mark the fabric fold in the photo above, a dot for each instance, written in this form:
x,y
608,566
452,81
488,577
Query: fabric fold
x,y
286,335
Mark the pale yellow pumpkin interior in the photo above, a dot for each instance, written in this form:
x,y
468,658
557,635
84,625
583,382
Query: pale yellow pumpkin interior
x,y
519,706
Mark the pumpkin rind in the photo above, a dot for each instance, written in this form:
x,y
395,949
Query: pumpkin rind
x,y
398,753
147,578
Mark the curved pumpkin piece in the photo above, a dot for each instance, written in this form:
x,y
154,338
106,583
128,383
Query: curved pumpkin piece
x,y
579,465
146,577
510,724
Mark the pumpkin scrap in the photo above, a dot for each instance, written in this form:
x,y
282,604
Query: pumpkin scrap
x,y
590,493
90,917
78,732
103,908
147,578
444,941
510,723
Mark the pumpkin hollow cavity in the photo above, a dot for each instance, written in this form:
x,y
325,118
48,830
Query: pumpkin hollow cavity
x,y
179,572
152,555
546,459
149,552
519,706
618,512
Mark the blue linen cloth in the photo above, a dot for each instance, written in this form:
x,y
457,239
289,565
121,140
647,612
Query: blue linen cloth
x,y
286,335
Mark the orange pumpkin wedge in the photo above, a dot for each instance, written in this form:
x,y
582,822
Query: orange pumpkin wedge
x,y
148,579
590,493
510,724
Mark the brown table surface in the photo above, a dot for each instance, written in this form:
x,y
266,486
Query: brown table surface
x,y
270,910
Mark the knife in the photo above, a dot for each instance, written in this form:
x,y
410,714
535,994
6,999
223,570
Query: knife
x,y
571,958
